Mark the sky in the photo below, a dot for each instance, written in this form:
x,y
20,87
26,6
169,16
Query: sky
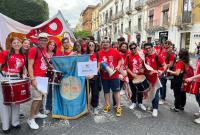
x,y
71,9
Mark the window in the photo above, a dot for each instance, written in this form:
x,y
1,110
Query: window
x,y
122,27
139,24
151,21
129,26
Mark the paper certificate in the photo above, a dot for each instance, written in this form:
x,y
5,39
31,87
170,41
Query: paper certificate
x,y
42,84
87,68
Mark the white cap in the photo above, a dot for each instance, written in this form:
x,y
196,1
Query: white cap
x,y
43,35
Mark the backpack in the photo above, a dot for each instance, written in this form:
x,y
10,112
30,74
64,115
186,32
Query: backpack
x,y
188,71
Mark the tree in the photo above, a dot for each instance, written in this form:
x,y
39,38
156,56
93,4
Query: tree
x,y
82,34
28,12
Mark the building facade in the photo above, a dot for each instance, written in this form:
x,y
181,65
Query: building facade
x,y
87,18
95,23
149,20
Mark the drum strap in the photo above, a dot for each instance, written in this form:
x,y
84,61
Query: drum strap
x,y
48,64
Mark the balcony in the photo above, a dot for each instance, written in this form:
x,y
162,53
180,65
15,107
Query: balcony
x,y
139,5
151,3
120,14
129,10
153,26
184,21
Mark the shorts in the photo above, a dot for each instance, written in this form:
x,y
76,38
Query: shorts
x,y
113,84
36,95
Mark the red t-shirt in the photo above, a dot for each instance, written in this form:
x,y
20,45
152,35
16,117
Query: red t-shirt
x,y
16,62
111,57
198,69
179,65
93,57
135,64
157,49
166,56
151,61
39,66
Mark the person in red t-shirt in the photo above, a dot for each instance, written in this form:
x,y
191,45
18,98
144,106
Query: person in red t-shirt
x,y
12,63
159,66
169,57
94,81
113,59
196,78
179,68
135,67
66,46
37,67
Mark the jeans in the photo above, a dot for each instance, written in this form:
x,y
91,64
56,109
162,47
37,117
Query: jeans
x,y
136,96
163,89
198,99
155,101
49,98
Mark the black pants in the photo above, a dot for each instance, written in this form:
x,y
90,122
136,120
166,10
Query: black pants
x,y
95,87
180,98
163,90
136,96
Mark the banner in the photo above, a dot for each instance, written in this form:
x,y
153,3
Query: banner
x,y
56,28
69,98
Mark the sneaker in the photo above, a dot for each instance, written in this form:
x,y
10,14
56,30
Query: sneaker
x,y
41,116
32,124
174,109
16,127
161,102
155,113
6,131
21,116
197,120
47,112
95,110
118,111
197,114
132,106
122,92
141,106
106,108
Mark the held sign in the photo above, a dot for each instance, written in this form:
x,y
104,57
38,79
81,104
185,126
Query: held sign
x,y
87,68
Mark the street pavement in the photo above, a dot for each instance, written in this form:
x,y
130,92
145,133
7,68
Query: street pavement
x,y
133,122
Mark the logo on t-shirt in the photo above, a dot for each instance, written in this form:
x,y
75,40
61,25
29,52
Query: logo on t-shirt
x,y
43,65
18,63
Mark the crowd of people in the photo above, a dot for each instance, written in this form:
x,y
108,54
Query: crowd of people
x,y
132,69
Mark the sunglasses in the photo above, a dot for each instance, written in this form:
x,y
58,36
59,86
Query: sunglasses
x,y
91,45
133,48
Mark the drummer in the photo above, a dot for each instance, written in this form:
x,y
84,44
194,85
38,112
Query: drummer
x,y
12,63
135,67
159,66
37,67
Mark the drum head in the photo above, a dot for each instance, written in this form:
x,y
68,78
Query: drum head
x,y
139,79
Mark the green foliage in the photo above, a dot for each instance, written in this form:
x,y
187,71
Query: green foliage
x,y
82,34
29,12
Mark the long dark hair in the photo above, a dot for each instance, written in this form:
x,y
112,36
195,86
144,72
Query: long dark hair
x,y
184,56
95,47
75,46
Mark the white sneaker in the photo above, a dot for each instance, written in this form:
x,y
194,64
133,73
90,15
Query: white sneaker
x,y
161,102
47,112
122,92
41,116
95,110
32,124
141,106
197,114
197,121
132,106
155,113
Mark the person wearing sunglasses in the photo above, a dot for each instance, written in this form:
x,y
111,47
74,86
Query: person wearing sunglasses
x,y
112,58
94,81
135,67
158,64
